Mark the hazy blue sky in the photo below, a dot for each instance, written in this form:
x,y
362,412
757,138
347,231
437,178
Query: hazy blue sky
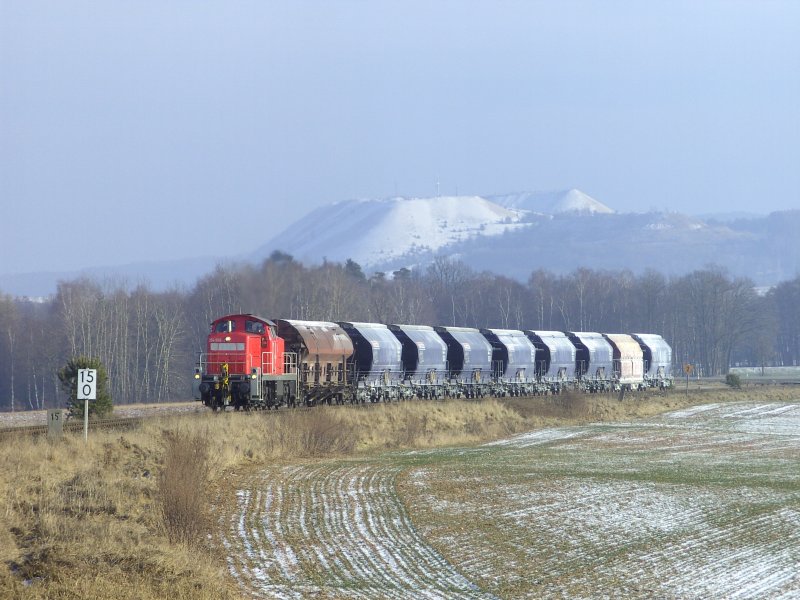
x,y
140,130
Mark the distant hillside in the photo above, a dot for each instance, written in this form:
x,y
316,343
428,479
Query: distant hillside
x,y
514,234
766,250
157,275
509,234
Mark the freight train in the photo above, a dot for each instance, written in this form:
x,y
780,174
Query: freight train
x,y
255,363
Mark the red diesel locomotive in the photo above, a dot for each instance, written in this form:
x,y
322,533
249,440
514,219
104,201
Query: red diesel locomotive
x,y
244,365
253,362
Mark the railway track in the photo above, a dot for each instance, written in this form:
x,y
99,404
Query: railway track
x,y
133,422
121,423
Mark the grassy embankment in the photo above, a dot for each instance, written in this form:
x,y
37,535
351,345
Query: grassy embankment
x,y
129,514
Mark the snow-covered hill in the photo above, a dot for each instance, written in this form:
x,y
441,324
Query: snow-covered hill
x,y
515,234
373,232
553,203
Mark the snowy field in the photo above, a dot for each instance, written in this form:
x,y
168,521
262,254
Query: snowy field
x,y
699,503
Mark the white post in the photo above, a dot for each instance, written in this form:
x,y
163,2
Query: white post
x,y
86,421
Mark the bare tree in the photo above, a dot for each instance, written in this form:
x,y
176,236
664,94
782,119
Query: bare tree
x,y
785,299
544,290
446,280
8,318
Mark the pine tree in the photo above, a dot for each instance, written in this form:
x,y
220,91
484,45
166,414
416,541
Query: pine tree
x,y
353,269
68,376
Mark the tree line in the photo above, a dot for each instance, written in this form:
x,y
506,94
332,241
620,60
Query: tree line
x,y
149,340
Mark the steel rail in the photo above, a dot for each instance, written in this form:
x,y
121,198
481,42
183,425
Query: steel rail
x,y
75,426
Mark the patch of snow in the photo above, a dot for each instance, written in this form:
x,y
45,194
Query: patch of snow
x,y
540,437
551,203
692,411
658,226
352,515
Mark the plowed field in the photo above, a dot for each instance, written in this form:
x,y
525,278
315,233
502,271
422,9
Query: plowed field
x,y
699,503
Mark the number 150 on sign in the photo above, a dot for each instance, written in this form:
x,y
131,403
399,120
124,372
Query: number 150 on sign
x,y
87,384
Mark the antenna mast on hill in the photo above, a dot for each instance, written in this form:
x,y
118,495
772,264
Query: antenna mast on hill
x,y
437,185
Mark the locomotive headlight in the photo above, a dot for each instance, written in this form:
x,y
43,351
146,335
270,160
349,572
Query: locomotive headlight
x,y
197,375
253,376
227,338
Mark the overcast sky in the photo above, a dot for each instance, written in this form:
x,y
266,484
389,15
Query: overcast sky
x,y
144,130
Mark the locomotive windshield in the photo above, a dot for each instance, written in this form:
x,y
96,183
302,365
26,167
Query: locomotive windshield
x,y
224,326
254,327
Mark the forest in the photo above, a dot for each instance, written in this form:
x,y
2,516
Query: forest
x,y
149,340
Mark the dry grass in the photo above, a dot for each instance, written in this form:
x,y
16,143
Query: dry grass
x,y
125,516
82,521
183,488
568,405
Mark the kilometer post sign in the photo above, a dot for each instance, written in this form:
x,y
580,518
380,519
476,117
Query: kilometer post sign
x,y
688,369
87,390
87,384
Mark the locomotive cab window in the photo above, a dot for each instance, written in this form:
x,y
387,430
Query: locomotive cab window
x,y
224,326
254,327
